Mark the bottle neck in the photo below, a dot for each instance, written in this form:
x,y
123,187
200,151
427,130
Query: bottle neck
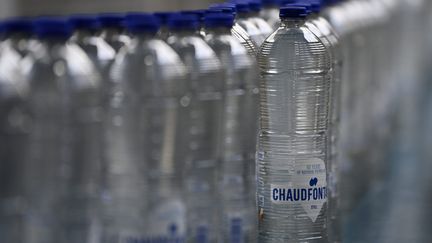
x,y
185,32
110,32
243,15
218,31
292,22
144,35
54,40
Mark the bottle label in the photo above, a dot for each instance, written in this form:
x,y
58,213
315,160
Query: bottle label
x,y
307,188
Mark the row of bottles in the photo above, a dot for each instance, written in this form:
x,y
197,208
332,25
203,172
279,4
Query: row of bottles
x,y
114,133
250,121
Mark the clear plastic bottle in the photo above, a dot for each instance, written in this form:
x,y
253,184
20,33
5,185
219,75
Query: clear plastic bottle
x,y
163,19
147,121
292,149
63,157
14,129
237,222
199,13
237,30
324,31
270,12
206,81
243,18
85,35
17,34
262,25
113,30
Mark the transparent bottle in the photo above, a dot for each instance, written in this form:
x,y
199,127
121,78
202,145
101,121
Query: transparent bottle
x,y
113,30
62,170
292,149
243,18
199,13
14,129
255,10
163,19
85,35
237,219
237,30
147,135
206,81
270,12
321,28
17,34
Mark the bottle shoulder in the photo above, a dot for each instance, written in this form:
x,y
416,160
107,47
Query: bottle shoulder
x,y
67,61
194,46
294,49
12,81
150,57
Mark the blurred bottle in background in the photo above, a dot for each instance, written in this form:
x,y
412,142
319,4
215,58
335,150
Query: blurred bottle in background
x,y
63,155
270,12
237,30
113,30
200,14
206,81
163,20
147,126
14,127
243,20
321,28
255,9
292,150
85,35
237,222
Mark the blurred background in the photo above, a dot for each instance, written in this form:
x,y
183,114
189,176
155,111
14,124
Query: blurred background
x,y
9,8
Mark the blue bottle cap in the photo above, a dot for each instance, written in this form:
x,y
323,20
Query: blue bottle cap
x,y
199,12
181,21
111,20
142,22
14,25
293,12
52,27
304,4
270,3
213,20
255,6
163,17
242,8
315,6
84,21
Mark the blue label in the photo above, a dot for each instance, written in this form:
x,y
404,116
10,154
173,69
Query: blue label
x,y
312,193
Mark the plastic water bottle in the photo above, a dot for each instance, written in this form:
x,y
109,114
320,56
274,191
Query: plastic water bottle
x,y
237,30
321,28
247,23
147,121
85,35
206,81
63,157
113,30
16,33
237,222
163,20
270,12
14,129
255,10
292,150
200,14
